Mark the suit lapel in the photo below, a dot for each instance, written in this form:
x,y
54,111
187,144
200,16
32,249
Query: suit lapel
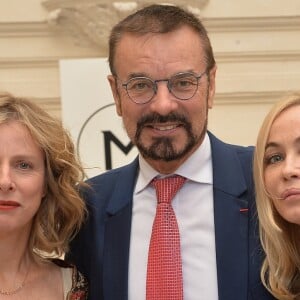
x,y
117,235
231,222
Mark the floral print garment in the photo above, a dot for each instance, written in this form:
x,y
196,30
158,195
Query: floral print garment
x,y
79,290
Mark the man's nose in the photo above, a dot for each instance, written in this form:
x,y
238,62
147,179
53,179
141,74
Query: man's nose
x,y
163,101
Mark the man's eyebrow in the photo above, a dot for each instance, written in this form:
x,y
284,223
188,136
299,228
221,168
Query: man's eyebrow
x,y
139,74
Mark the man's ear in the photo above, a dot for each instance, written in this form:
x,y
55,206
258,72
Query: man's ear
x,y
114,88
212,86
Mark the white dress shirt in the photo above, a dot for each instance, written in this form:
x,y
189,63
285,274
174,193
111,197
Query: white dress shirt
x,y
193,206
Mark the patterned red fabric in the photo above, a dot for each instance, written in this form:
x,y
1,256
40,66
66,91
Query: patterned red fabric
x,y
164,271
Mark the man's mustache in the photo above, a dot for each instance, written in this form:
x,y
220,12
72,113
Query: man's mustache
x,y
157,118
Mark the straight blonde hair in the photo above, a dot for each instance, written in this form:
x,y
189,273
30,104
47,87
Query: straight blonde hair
x,y
280,239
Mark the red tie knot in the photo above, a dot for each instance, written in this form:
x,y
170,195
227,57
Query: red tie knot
x,y
166,188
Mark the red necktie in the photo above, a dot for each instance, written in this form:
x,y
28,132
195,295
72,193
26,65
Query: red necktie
x,y
164,271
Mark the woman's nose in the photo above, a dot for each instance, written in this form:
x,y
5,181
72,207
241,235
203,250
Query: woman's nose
x,y
291,168
6,182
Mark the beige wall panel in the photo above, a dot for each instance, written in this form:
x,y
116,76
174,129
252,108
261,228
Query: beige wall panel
x,y
40,82
22,10
237,123
257,42
262,76
43,47
247,8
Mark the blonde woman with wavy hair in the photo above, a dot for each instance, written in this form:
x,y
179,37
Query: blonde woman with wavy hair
x,y
277,181
40,205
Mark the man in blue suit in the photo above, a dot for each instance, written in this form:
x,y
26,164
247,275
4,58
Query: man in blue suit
x,y
163,82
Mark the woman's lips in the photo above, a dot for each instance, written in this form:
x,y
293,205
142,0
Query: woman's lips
x,y
8,204
290,193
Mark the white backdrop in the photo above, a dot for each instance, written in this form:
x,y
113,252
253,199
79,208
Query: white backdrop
x,y
88,112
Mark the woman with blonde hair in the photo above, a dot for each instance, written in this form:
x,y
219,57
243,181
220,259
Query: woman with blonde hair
x,y
40,206
277,182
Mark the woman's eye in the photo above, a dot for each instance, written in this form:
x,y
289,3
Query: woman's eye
x,y
24,165
273,159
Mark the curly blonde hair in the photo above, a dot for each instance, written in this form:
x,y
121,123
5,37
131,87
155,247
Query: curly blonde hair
x,y
280,239
62,210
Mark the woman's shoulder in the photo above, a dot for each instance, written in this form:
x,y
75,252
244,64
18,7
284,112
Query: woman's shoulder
x,y
75,284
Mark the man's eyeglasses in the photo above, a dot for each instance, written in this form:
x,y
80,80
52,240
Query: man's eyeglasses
x,y
183,86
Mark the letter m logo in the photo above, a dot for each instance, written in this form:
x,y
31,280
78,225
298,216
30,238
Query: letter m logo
x,y
108,139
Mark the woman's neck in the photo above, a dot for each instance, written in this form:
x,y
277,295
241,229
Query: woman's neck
x,y
14,253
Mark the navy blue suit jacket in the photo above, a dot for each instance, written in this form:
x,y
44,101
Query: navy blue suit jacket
x,y
101,249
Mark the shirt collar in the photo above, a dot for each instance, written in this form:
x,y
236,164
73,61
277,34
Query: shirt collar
x,y
198,167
